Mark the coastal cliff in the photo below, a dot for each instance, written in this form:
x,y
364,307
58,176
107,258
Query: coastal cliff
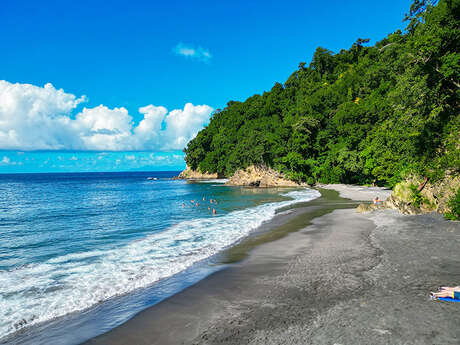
x,y
196,175
260,176
252,176
368,115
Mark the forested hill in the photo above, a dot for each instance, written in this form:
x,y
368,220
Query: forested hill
x,y
369,114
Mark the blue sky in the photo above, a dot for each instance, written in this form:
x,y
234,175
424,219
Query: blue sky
x,y
142,60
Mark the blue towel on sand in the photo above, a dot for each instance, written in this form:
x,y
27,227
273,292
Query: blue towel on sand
x,y
448,299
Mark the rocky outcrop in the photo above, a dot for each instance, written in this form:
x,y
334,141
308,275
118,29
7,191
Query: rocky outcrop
x,y
190,174
425,196
416,195
363,208
390,202
260,176
402,206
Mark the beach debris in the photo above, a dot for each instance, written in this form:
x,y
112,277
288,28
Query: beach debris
x,y
381,331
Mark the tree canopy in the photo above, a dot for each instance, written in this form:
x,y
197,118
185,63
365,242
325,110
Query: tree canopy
x,y
369,114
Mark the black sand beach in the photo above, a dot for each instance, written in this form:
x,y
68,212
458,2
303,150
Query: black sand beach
x,y
347,278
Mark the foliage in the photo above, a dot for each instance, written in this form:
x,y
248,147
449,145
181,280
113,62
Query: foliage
x,y
367,115
417,198
454,206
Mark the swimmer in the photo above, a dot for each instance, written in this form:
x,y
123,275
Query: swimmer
x,y
204,199
183,205
209,208
192,201
210,201
197,204
214,211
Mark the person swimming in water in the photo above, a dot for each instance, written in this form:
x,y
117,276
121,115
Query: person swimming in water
x,y
214,212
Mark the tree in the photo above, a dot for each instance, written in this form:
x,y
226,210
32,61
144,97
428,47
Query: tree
x,y
369,114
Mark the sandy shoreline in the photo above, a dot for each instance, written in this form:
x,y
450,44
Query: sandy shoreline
x,y
361,193
347,278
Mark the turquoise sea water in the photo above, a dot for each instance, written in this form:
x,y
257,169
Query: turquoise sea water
x,y
71,241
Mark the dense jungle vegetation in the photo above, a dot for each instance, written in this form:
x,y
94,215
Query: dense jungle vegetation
x,y
369,114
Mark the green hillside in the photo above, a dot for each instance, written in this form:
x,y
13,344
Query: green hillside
x,y
369,114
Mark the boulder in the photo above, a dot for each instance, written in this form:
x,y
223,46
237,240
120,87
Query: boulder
x,y
363,208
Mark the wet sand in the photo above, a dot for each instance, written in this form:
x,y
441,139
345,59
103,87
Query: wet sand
x,y
343,278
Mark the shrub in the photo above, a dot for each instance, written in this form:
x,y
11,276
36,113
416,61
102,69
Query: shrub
x,y
454,205
416,196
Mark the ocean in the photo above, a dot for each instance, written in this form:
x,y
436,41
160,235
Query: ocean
x,y
70,242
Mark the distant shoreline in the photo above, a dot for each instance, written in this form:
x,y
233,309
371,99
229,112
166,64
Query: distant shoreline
x,y
171,172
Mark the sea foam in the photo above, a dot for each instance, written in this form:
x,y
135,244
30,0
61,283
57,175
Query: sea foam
x,y
40,292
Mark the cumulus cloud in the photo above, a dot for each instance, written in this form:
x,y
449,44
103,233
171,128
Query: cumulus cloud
x,y
190,51
180,134
35,117
5,161
40,118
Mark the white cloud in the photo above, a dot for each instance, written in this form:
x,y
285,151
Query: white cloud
x,y
40,118
101,128
5,161
101,155
182,124
190,51
35,117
